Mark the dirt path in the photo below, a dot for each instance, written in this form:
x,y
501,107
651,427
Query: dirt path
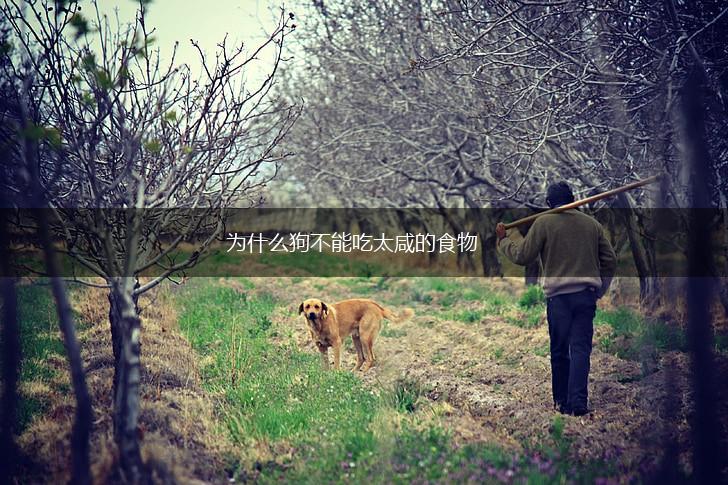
x,y
490,380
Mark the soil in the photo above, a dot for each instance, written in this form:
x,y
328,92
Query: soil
x,y
491,381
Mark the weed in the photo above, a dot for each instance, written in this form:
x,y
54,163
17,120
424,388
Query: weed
x,y
439,356
634,337
494,304
543,350
533,296
469,316
449,299
405,394
421,297
498,353
529,319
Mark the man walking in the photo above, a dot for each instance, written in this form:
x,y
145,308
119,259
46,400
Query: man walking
x,y
578,265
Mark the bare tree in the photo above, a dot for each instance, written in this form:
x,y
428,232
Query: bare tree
x,y
600,80
473,104
124,137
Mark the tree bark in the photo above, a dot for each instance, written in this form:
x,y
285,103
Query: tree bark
x,y
485,221
646,271
10,355
458,224
83,419
488,255
126,331
707,451
83,422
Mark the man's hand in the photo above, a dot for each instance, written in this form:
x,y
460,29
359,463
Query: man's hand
x,y
500,230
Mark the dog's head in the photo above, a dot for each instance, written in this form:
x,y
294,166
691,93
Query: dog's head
x,y
314,310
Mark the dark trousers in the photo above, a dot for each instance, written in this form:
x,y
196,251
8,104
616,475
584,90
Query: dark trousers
x,y
571,327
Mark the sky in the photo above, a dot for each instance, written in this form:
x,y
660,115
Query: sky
x,y
207,22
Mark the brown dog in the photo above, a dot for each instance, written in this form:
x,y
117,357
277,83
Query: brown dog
x,y
329,325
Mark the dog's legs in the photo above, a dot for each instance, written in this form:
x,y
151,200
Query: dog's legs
x,y
324,349
337,354
359,352
368,329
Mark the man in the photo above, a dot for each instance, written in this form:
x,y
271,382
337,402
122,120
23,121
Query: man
x,y
578,266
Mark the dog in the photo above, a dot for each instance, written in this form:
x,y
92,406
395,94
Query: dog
x,y
361,318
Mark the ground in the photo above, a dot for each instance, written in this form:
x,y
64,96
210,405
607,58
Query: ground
x,y
494,376
233,388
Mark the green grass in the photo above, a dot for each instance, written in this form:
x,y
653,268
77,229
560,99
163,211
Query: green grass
x,y
528,318
532,297
270,392
470,316
531,306
498,353
273,392
392,331
721,342
440,285
363,285
39,339
448,293
542,350
634,337
404,395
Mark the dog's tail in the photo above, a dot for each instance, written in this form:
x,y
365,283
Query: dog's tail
x,y
405,314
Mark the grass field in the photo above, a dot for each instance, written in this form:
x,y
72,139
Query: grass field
x,y
275,399
461,394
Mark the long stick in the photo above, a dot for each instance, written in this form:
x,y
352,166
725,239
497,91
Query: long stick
x,y
587,200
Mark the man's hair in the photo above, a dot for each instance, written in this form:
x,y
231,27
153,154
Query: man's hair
x,y
558,194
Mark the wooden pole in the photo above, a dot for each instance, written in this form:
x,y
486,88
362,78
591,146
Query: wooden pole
x,y
587,200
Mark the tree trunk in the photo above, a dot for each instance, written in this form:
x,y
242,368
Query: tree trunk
x,y
485,221
708,456
83,422
488,255
458,223
83,419
643,260
126,330
116,338
10,355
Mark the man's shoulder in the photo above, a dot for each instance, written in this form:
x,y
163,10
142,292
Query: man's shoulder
x,y
569,217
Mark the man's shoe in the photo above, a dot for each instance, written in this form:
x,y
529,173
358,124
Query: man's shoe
x,y
564,409
581,411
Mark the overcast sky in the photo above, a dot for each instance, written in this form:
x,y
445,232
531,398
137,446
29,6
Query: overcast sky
x,y
207,22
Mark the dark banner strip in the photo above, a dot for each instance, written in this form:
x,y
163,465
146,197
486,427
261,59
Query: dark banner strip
x,y
336,242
